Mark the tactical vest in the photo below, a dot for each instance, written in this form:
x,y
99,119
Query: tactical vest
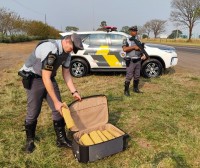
x,y
132,54
35,64
32,58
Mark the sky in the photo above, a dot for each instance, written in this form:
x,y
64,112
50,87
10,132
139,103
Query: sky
x,y
88,14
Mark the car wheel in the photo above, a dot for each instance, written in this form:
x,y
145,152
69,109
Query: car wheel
x,y
152,68
78,68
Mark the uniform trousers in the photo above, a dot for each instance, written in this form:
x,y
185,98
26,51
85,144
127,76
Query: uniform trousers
x,y
133,71
35,98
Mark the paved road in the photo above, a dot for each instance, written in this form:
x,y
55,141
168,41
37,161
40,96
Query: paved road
x,y
193,50
189,59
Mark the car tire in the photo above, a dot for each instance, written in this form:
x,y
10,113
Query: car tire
x,y
151,68
78,67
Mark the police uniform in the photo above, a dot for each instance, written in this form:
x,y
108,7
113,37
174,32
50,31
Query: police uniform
x,y
47,55
133,64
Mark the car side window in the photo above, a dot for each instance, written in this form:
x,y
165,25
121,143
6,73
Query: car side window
x,y
117,39
96,39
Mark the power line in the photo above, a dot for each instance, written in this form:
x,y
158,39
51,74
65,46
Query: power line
x,y
27,8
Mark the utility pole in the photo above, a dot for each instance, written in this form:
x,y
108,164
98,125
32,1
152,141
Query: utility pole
x,y
93,14
176,33
45,19
177,30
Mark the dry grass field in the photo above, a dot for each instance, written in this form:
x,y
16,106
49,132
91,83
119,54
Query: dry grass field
x,y
163,122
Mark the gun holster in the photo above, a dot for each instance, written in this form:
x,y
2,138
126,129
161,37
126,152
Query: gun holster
x,y
128,61
26,79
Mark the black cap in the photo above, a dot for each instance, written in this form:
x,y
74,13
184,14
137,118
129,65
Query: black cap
x,y
77,42
133,28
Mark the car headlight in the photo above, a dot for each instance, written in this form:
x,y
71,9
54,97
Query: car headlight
x,y
169,51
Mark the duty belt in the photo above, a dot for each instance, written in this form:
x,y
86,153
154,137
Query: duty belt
x,y
36,75
135,60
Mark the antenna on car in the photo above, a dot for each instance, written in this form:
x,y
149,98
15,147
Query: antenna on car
x,y
110,28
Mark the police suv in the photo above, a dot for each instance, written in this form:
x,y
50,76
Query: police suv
x,y
102,52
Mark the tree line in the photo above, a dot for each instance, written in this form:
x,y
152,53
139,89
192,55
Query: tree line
x,y
13,28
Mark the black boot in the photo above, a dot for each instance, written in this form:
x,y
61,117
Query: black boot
x,y
126,88
30,136
62,140
135,86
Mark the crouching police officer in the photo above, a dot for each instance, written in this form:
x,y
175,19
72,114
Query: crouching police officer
x,y
133,61
38,77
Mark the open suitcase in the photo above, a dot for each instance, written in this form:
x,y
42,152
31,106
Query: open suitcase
x,y
92,114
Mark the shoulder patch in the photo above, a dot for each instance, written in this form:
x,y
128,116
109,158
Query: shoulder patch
x,y
48,63
51,59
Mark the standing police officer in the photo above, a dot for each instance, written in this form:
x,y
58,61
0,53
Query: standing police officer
x,y
133,61
38,74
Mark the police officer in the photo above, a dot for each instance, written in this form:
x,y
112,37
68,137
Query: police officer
x,y
133,61
38,74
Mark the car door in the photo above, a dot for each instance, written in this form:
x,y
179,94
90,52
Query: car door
x,y
115,46
97,48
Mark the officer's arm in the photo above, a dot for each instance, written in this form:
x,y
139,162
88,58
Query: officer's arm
x,y
69,82
47,68
130,48
46,77
127,48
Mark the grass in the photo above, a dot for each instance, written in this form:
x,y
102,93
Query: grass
x,y
176,42
163,123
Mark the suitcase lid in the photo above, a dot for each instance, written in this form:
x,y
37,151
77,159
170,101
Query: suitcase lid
x,y
90,112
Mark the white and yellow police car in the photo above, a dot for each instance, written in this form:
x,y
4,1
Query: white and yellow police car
x,y
102,52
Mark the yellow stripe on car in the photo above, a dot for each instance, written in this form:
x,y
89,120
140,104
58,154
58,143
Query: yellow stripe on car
x,y
110,59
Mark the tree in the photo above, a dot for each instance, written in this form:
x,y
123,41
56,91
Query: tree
x,y
185,12
147,28
102,25
10,22
141,31
125,29
3,14
40,29
157,26
71,28
144,36
14,23
175,34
